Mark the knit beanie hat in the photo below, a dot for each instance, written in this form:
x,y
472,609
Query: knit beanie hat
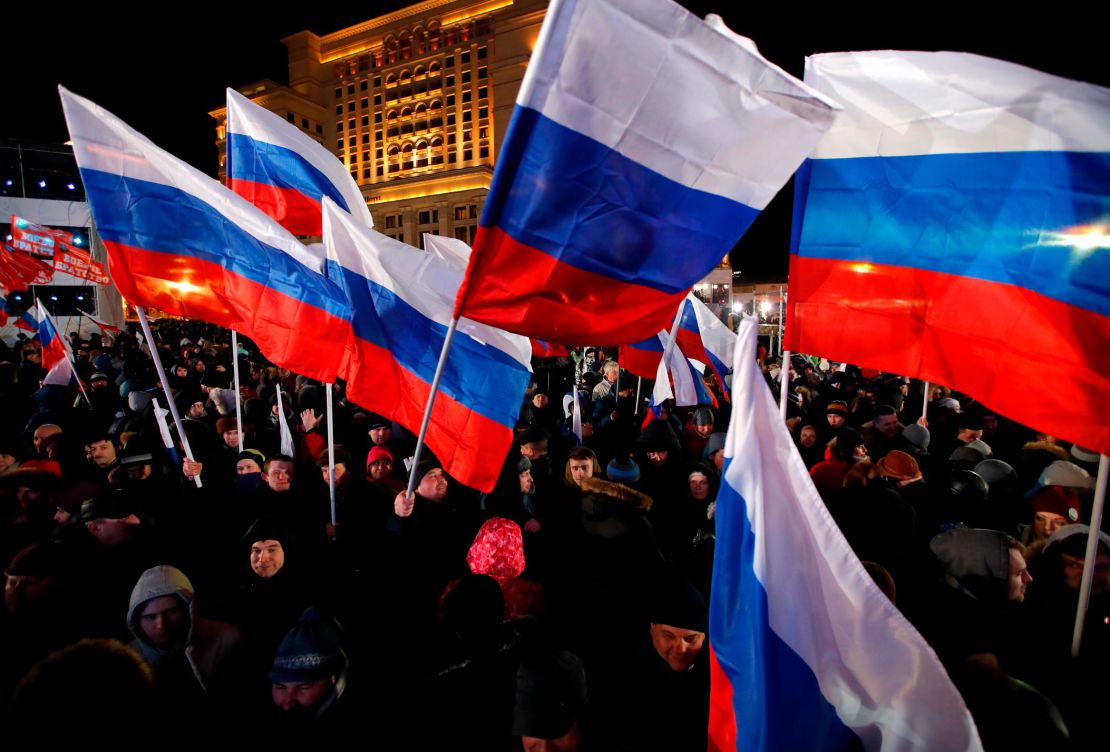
x,y
310,651
622,470
1057,500
916,435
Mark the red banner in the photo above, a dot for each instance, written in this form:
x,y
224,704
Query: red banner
x,y
38,240
29,269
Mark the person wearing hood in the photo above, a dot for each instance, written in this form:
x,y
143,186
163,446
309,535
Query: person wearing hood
x,y
983,578
660,459
192,657
498,551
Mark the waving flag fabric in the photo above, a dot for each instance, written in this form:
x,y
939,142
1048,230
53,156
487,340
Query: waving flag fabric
x,y
704,338
402,301
808,654
452,250
541,349
642,358
102,325
283,171
179,241
643,143
57,359
952,226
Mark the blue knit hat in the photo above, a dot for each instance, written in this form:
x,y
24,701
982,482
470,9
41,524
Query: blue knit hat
x,y
310,651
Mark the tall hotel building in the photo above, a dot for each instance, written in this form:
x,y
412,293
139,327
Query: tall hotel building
x,y
415,103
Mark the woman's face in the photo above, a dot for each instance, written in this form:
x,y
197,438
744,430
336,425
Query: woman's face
x,y
699,486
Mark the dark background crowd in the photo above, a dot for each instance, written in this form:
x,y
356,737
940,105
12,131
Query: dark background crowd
x,y
565,609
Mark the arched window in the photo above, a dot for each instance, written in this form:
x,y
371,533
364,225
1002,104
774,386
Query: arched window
x,y
433,69
392,115
420,71
421,108
435,105
406,74
391,79
406,111
437,142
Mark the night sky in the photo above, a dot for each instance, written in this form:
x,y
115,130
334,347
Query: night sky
x,y
162,77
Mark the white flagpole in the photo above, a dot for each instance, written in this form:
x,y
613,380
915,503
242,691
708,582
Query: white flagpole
x,y
431,401
784,385
238,399
331,455
1092,551
166,387
925,402
639,383
284,434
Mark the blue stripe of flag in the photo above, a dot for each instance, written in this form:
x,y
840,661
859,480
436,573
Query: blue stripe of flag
x,y
270,164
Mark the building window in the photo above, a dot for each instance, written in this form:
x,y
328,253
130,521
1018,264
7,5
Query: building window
x,y
351,106
483,152
483,92
483,73
483,113
449,81
466,77
378,153
450,100
354,157
482,52
304,123
377,100
338,92
339,126
464,58
351,124
468,115
450,138
320,129
350,88
339,145
339,109
468,154
365,138
364,102
352,141
451,119
449,61
451,158
367,173
381,171
290,117
466,96
377,117
483,133
467,136
377,82
365,120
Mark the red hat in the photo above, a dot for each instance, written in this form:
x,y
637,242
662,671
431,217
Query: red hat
x,y
1059,500
378,453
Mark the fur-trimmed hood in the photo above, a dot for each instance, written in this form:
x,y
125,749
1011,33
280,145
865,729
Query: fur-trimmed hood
x,y
618,491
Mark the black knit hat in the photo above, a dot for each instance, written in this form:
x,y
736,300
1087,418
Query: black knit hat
x,y
679,604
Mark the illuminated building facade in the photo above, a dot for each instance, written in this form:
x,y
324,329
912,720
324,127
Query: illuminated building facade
x,y
415,103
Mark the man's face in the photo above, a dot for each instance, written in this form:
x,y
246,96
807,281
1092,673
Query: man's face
x,y
1019,576
279,475
679,647
6,461
808,437
41,434
380,469
340,473
380,435
887,425
704,431
300,697
836,420
1047,523
904,389
24,590
231,438
527,484
580,470
101,453
164,621
540,401
1073,572
433,485
658,458
181,372
967,435
196,410
611,376
267,557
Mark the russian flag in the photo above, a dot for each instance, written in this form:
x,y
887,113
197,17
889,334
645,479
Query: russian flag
x,y
57,359
28,320
807,652
102,325
643,143
451,250
953,226
704,338
282,171
642,358
402,301
541,349
179,241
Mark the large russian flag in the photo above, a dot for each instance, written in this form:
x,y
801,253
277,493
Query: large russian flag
x,y
179,241
402,301
704,338
643,143
283,171
808,654
952,226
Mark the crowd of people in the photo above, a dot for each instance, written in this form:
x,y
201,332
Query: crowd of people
x,y
218,597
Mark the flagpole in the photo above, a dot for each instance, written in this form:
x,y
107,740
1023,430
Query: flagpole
x,y
141,312
238,398
784,385
1092,552
639,383
925,402
331,455
431,401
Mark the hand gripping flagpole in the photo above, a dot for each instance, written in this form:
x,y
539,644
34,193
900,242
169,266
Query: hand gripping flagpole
x,y
1092,554
166,388
431,401
238,398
